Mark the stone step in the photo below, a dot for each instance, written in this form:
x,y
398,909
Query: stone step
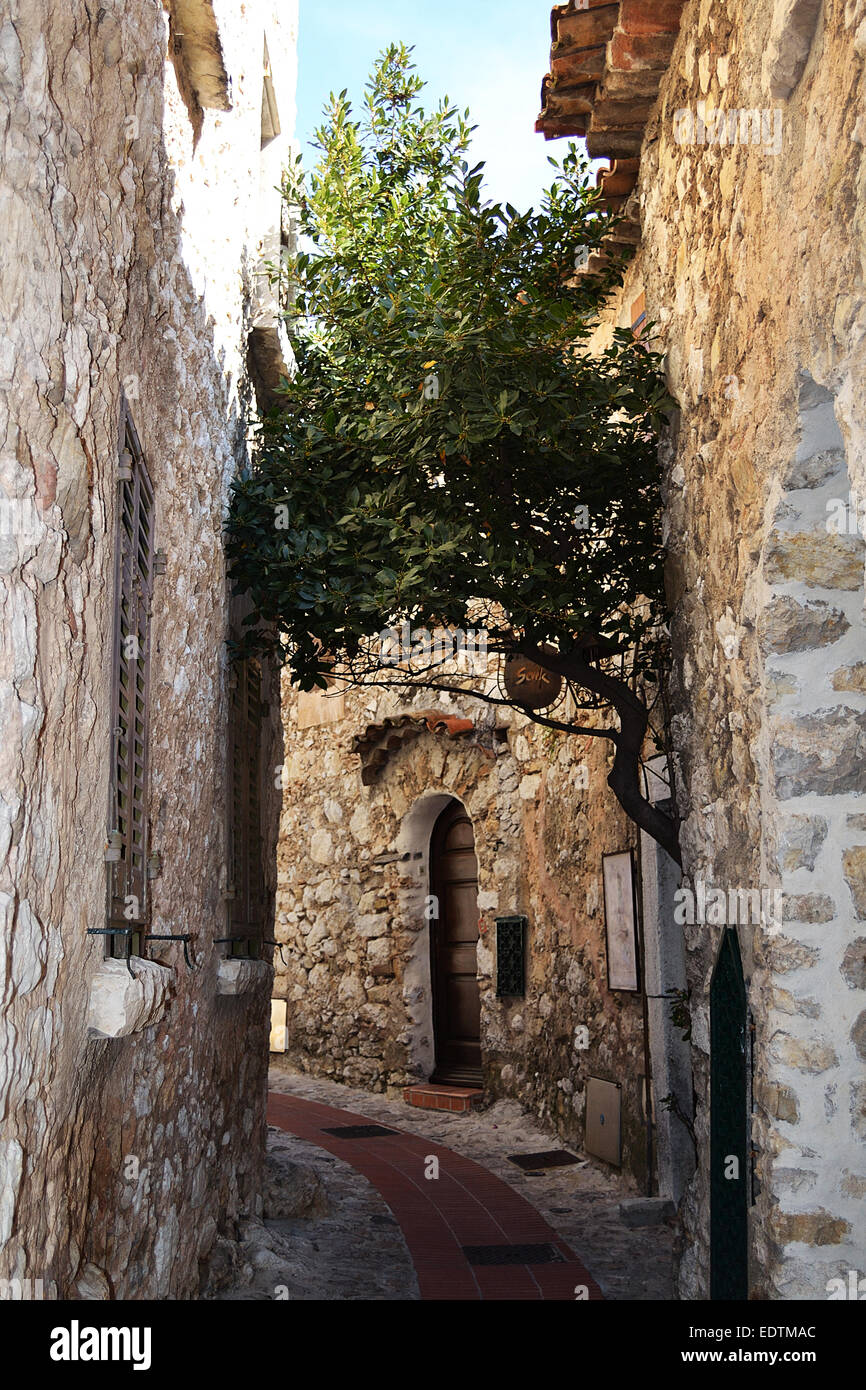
x,y
433,1097
646,1211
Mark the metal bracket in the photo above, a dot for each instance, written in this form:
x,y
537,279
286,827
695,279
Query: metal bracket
x,y
238,936
114,843
279,945
128,932
185,937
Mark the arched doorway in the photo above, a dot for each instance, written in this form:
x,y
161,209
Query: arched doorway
x,y
453,943
729,1126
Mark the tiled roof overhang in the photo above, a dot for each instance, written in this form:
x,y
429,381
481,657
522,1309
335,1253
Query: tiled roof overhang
x,y
379,741
607,61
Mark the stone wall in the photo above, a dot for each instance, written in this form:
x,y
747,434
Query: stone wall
x,y
752,265
353,883
131,194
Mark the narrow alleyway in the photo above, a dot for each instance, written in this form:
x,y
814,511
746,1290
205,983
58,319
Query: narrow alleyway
x,y
374,1226
469,1234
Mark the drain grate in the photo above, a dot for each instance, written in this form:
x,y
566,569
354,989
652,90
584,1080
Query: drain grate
x,y
359,1131
513,1254
551,1158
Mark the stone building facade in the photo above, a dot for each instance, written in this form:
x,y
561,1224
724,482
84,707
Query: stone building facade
x,y
736,138
369,775
139,150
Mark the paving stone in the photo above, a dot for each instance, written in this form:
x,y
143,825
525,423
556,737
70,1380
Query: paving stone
x,y
646,1211
354,1252
581,1204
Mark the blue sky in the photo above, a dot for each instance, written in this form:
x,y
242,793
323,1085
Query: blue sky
x,y
489,55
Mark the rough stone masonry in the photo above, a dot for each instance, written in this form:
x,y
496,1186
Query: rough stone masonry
x,y
132,1117
353,858
751,263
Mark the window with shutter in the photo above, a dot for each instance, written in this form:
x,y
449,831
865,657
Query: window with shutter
x,y
246,877
127,891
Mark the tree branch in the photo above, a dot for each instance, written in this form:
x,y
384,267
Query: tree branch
x,y
361,682
624,778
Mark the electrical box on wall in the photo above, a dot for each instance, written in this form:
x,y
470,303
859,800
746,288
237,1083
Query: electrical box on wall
x,y
510,957
603,1129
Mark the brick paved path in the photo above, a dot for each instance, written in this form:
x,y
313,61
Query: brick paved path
x,y
465,1206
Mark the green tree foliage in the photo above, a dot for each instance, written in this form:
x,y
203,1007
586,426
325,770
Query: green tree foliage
x,y
446,438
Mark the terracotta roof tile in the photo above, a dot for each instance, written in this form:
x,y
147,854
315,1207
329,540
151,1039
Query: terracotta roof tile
x,y
379,741
606,65
651,16
578,28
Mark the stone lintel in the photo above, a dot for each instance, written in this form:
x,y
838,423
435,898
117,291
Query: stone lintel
x,y
122,1003
241,974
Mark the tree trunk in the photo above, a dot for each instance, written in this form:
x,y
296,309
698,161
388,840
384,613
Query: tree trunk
x,y
624,779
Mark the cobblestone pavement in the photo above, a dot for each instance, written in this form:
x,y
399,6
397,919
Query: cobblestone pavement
x,y
354,1253
471,1236
349,1247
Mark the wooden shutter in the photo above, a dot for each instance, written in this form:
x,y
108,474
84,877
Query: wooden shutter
x,y
131,670
247,906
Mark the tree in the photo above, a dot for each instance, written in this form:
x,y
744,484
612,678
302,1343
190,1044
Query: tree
x,y
447,445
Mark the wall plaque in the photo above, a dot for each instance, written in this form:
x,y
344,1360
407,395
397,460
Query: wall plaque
x,y
620,921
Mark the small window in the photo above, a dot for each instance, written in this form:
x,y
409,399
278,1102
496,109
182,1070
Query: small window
x,y
246,895
128,827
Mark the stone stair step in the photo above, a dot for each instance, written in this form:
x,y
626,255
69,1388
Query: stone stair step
x,y
432,1097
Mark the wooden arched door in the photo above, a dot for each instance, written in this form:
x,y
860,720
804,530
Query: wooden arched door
x,y
453,943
